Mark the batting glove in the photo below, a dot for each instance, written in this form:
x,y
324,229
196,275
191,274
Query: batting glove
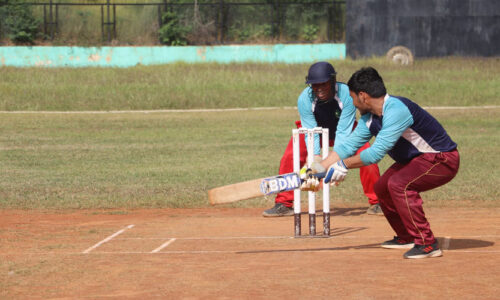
x,y
306,172
336,172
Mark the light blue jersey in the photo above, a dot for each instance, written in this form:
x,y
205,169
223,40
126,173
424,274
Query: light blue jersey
x,y
404,131
312,114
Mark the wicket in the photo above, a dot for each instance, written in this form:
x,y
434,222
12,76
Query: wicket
x,y
311,195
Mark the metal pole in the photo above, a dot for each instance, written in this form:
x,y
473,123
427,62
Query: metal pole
x,y
159,17
108,21
114,21
51,22
57,19
296,192
326,189
330,16
311,195
45,19
102,21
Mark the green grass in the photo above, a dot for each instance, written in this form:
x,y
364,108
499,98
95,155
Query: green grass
x,y
430,82
171,159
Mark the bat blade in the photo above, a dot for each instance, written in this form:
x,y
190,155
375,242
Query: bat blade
x,y
283,183
235,192
256,188
280,183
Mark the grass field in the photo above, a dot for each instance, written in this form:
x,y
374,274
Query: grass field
x,y
171,159
448,81
73,185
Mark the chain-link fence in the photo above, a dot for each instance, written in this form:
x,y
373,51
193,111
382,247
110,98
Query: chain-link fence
x,y
201,22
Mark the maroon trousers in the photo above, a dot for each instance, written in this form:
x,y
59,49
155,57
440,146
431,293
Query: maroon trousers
x,y
368,174
399,187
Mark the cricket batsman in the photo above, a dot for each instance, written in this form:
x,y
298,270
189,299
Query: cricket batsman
x,y
425,158
324,103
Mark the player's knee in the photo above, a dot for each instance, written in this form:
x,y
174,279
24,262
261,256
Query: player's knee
x,y
380,189
395,186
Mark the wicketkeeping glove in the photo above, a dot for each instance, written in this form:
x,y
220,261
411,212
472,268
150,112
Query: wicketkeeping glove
x,y
336,172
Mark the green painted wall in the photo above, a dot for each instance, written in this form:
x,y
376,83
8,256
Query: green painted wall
x,y
132,56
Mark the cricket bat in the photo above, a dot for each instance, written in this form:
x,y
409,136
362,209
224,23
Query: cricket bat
x,y
256,188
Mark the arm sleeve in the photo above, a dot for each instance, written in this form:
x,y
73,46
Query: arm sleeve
x,y
397,118
355,140
304,106
348,115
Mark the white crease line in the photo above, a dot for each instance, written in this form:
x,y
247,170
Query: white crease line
x,y
212,110
209,238
446,243
378,250
147,111
109,238
269,251
334,235
164,245
461,107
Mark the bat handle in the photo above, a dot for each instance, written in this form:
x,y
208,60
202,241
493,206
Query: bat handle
x,y
319,175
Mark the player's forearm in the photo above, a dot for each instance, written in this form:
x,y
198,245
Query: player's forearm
x,y
354,162
332,158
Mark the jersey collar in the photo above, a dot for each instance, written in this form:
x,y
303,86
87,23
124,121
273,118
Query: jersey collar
x,y
386,97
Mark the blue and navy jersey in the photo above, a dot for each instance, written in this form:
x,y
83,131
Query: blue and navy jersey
x,y
404,131
337,115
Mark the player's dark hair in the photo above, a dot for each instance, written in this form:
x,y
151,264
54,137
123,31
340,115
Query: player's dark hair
x,y
369,81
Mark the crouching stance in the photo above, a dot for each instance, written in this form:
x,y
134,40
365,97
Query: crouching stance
x,y
425,158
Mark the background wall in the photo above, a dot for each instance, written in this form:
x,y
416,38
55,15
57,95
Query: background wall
x,y
131,56
427,27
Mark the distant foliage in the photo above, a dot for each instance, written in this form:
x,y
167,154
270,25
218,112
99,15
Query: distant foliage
x,y
310,32
172,32
18,22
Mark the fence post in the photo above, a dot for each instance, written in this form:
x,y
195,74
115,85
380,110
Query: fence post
x,y
161,9
108,21
159,16
51,22
222,21
276,16
45,20
114,21
56,22
102,21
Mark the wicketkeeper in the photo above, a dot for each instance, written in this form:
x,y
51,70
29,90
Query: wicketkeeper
x,y
425,158
324,103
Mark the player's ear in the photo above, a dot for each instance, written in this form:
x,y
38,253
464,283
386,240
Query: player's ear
x,y
362,96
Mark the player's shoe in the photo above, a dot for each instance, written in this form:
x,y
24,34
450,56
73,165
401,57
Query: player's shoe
x,y
375,210
397,243
279,210
423,251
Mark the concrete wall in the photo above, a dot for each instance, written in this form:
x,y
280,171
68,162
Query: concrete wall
x,y
427,27
132,56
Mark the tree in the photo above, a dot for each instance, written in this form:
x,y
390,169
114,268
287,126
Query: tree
x,y
18,22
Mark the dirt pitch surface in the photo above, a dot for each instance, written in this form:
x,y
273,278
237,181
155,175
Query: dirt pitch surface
x,y
225,253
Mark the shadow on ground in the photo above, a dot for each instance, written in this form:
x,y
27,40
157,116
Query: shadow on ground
x,y
354,211
342,211
458,244
366,246
345,230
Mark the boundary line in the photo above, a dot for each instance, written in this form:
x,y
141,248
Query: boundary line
x,y
215,110
109,238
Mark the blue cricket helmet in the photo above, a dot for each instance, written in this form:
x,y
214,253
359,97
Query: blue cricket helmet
x,y
320,72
